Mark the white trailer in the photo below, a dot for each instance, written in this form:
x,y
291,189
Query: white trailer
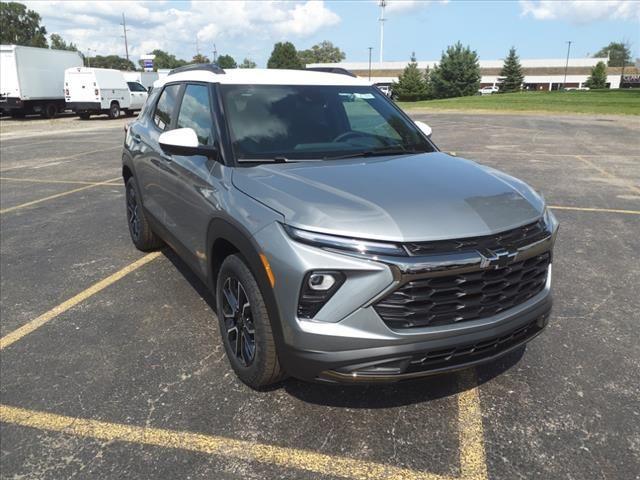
x,y
90,91
31,79
144,78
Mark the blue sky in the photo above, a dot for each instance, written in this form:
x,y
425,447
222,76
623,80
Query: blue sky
x,y
537,28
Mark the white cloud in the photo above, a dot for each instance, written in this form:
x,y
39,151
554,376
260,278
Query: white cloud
x,y
237,27
402,6
581,11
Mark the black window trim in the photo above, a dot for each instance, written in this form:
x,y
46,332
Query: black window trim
x,y
174,117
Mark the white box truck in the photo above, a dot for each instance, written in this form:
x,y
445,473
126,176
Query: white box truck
x,y
146,79
31,79
93,91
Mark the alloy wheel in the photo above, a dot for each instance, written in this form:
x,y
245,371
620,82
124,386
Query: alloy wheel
x,y
133,213
238,320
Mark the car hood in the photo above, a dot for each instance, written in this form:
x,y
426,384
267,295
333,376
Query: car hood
x,y
421,197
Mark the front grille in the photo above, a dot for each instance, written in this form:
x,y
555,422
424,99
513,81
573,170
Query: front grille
x,y
511,239
468,296
452,357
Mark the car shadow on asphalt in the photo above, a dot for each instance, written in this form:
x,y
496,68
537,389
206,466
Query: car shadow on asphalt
x,y
371,396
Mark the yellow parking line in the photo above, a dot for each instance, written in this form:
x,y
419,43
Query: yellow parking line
x,y
602,210
75,155
72,182
473,460
606,173
73,301
58,195
213,445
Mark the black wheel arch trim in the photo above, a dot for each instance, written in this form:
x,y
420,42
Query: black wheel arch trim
x,y
242,240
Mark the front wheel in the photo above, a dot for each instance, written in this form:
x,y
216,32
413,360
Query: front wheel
x,y
84,116
245,326
141,234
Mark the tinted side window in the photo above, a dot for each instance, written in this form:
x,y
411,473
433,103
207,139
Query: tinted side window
x,y
195,113
136,87
166,105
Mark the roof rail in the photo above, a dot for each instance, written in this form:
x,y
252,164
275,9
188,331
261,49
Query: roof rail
x,y
338,70
209,67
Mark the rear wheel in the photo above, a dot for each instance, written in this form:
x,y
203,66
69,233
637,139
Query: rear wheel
x,y
84,116
50,110
129,113
114,110
245,326
141,234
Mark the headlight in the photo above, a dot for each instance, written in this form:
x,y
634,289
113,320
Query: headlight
x,y
336,242
550,220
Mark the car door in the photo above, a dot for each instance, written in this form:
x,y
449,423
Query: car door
x,y
152,165
138,95
196,185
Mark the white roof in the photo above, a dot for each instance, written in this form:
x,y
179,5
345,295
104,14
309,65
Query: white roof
x,y
263,76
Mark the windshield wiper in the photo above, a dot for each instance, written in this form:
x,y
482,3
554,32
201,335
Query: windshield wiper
x,y
388,150
278,159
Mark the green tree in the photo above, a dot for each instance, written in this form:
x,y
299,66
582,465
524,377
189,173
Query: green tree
x,y
323,52
20,26
619,53
511,76
164,60
111,61
411,84
199,58
598,77
247,63
227,61
284,55
58,43
457,74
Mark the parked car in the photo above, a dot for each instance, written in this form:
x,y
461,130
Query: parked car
x,y
488,90
94,91
386,89
340,243
146,79
31,79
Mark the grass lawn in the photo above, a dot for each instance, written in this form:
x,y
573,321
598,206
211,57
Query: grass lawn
x,y
620,102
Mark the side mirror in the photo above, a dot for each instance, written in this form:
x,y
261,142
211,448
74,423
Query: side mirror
x,y
426,129
184,141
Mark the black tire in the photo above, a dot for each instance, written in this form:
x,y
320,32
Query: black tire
x,y
129,113
114,110
141,234
17,114
50,110
84,116
253,357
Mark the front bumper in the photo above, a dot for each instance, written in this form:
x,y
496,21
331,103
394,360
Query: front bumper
x,y
347,341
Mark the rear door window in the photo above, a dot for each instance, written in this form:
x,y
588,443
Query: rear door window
x,y
195,113
165,109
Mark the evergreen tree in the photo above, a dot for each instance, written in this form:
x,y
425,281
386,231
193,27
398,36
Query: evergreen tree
x,y
284,55
598,77
511,76
411,85
457,74
227,61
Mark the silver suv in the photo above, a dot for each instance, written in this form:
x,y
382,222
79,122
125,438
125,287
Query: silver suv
x,y
341,245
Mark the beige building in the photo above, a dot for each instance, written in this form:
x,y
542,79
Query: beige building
x,y
540,74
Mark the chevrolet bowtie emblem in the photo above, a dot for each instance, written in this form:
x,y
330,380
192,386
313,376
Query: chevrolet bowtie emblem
x,y
497,259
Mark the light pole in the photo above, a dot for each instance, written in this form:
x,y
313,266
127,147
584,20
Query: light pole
x,y
370,48
566,65
126,45
383,4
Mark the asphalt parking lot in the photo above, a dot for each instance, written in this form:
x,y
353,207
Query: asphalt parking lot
x,y
111,365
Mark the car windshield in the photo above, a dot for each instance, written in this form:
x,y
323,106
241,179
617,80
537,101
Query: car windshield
x,y
268,122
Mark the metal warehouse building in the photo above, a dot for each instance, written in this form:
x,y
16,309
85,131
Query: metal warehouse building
x,y
540,74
